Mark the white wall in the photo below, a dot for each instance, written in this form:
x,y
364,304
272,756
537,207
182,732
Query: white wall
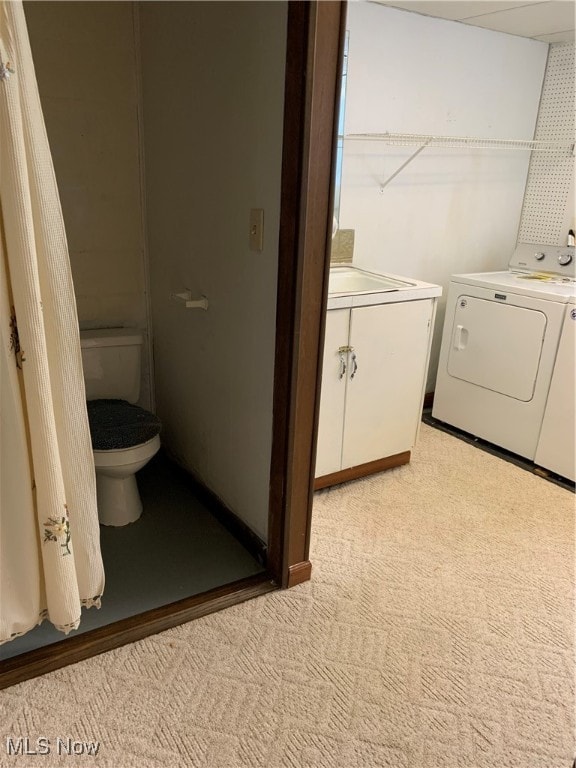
x,y
213,89
84,56
450,210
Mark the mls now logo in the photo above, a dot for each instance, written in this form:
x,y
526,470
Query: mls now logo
x,y
26,746
43,746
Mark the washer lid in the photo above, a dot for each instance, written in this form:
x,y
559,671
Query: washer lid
x,y
110,337
526,284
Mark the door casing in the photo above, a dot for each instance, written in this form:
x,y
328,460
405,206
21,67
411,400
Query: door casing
x,y
312,85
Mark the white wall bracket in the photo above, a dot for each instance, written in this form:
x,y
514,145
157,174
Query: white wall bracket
x,y
185,297
455,142
412,156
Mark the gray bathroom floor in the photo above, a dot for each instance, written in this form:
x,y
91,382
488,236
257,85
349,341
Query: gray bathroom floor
x,y
176,549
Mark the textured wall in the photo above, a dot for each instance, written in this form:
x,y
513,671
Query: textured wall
x,y
85,64
85,60
548,211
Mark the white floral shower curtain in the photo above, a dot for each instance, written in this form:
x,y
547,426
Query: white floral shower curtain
x,y
50,561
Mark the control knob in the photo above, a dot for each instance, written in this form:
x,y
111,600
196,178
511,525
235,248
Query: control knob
x,y
539,255
564,259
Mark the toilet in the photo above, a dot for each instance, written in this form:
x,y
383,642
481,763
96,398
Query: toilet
x,y
124,436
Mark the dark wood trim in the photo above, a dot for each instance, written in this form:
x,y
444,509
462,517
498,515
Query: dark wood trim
x,y
362,470
278,520
315,45
96,641
428,400
299,573
229,519
234,524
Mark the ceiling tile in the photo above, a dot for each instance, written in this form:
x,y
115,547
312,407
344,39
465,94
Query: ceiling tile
x,y
530,20
456,10
557,37
550,21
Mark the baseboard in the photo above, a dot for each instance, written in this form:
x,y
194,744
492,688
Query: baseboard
x,y
230,520
501,453
93,642
362,470
299,573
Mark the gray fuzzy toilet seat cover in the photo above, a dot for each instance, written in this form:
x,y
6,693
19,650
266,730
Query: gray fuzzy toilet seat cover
x,y
117,424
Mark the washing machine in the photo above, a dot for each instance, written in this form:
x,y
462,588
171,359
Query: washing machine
x,y
555,449
499,344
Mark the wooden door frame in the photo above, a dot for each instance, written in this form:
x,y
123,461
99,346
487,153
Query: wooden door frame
x,y
315,37
313,75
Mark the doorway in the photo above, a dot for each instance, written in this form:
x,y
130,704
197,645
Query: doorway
x,y
304,193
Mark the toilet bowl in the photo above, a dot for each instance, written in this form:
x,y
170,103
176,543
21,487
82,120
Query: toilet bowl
x,y
124,436
118,497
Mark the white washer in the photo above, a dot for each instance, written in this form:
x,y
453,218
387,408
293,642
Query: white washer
x,y
499,345
555,449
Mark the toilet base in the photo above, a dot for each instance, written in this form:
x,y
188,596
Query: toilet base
x,y
118,499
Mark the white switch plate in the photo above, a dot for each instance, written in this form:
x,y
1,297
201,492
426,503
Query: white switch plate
x,y
256,236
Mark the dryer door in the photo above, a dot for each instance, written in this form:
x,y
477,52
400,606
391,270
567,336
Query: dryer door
x,y
497,346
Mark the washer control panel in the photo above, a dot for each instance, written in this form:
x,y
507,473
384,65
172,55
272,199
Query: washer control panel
x,y
554,260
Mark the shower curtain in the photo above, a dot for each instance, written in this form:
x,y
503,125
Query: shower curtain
x,y
50,560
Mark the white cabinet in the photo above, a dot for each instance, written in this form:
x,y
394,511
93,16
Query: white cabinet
x,y
333,396
373,379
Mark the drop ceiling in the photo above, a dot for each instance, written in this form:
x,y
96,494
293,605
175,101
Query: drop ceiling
x,y
551,21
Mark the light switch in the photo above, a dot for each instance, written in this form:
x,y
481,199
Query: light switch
x,y
256,238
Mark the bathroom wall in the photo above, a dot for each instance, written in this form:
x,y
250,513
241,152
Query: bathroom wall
x,y
213,88
450,210
85,60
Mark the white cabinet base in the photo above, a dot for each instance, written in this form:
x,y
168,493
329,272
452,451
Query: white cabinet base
x,y
373,380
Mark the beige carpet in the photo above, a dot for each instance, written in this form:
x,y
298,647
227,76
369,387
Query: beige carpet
x,y
437,632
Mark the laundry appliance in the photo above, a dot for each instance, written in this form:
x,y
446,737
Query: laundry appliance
x,y
499,345
555,449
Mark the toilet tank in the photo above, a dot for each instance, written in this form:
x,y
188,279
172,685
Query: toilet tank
x,y
111,363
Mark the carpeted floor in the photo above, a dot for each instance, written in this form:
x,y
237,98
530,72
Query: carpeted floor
x,y
437,632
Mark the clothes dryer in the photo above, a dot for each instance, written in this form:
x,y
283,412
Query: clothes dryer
x,y
499,344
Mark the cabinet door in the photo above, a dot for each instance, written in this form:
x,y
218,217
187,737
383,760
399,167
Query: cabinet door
x,y
384,398
333,394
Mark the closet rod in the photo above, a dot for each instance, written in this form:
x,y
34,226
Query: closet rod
x,y
405,139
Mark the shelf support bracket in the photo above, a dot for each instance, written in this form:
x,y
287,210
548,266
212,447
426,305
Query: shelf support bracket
x,y
404,164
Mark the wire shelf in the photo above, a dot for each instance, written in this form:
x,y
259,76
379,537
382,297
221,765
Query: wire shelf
x,y
410,139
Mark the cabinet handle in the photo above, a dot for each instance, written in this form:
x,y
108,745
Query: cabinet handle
x,y
342,365
354,365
